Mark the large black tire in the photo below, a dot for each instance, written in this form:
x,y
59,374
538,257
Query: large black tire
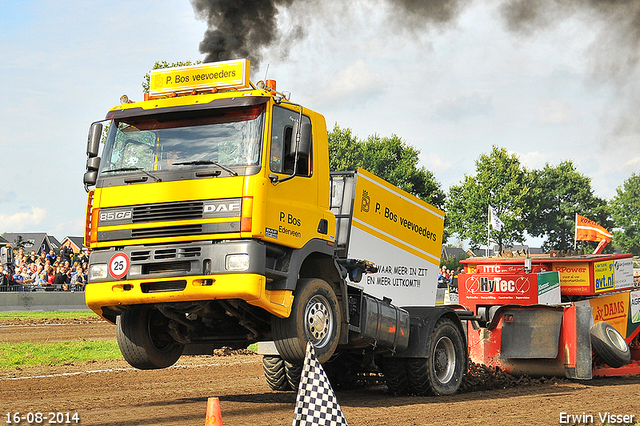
x,y
274,372
609,345
315,317
441,373
143,339
395,374
294,373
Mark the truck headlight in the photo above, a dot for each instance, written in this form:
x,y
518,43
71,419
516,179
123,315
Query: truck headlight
x,y
98,271
237,262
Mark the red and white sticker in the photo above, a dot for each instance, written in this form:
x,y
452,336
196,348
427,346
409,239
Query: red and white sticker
x,y
119,265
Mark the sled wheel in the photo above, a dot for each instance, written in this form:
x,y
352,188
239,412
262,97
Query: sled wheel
x,y
609,345
143,339
315,317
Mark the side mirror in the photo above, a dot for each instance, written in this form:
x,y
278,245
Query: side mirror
x,y
304,147
93,163
90,178
93,141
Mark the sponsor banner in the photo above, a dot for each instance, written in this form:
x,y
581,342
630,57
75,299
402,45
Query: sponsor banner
x,y
613,309
634,302
397,217
488,289
549,288
506,269
623,273
603,276
227,74
407,279
574,277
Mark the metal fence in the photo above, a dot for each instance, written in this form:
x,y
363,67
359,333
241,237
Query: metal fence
x,y
22,288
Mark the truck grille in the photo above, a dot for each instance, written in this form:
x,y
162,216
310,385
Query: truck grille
x,y
166,231
163,286
165,254
168,211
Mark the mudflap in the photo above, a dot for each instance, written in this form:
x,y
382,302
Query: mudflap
x,y
423,320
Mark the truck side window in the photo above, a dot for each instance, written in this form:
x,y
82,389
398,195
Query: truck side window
x,y
281,159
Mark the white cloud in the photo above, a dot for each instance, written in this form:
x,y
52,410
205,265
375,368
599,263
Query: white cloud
x,y
435,163
555,112
535,159
24,221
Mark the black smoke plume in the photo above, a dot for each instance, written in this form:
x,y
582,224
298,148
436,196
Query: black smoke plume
x,y
238,28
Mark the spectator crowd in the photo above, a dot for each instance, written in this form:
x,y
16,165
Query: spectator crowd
x,y
63,271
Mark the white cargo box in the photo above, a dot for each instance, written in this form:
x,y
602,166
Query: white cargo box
x,y
397,231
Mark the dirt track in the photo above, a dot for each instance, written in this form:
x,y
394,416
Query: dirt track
x,y
112,393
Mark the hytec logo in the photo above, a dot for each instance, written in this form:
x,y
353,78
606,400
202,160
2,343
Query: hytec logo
x,y
508,285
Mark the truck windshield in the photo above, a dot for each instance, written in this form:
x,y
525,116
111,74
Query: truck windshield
x,y
227,140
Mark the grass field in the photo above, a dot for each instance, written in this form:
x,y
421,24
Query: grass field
x,y
27,354
48,314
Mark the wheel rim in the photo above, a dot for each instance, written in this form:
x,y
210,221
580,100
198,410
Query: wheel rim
x,y
445,359
318,320
617,339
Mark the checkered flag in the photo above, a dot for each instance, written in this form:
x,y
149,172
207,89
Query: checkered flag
x,y
316,404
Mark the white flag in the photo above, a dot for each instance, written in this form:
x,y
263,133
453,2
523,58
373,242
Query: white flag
x,y
494,220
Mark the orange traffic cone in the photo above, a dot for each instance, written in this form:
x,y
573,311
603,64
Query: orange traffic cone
x,y
214,416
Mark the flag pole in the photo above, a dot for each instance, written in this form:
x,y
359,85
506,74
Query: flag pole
x,y
575,234
486,251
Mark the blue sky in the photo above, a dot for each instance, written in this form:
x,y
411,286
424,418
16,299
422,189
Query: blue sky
x,y
565,91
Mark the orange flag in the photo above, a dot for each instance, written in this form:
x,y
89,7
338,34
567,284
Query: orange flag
x,y
588,230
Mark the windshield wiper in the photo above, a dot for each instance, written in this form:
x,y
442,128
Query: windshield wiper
x,y
133,169
207,162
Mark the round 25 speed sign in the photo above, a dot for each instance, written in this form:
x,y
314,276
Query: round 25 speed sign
x,y
119,265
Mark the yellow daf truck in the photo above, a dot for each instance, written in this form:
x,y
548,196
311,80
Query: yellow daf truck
x,y
214,221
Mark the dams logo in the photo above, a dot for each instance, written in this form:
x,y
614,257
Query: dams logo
x,y
498,285
610,311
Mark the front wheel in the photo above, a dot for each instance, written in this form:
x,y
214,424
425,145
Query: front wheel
x,y
143,339
315,317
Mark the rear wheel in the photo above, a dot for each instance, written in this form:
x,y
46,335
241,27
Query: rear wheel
x,y
442,371
275,374
395,373
293,373
143,338
315,317
281,375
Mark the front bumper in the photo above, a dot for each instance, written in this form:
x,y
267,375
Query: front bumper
x,y
251,288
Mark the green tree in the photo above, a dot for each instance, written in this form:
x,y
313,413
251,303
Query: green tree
x,y
558,193
625,211
500,181
161,65
389,158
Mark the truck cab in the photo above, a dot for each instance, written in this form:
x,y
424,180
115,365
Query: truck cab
x,y
207,206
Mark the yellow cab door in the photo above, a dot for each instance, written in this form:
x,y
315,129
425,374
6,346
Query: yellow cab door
x,y
292,215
